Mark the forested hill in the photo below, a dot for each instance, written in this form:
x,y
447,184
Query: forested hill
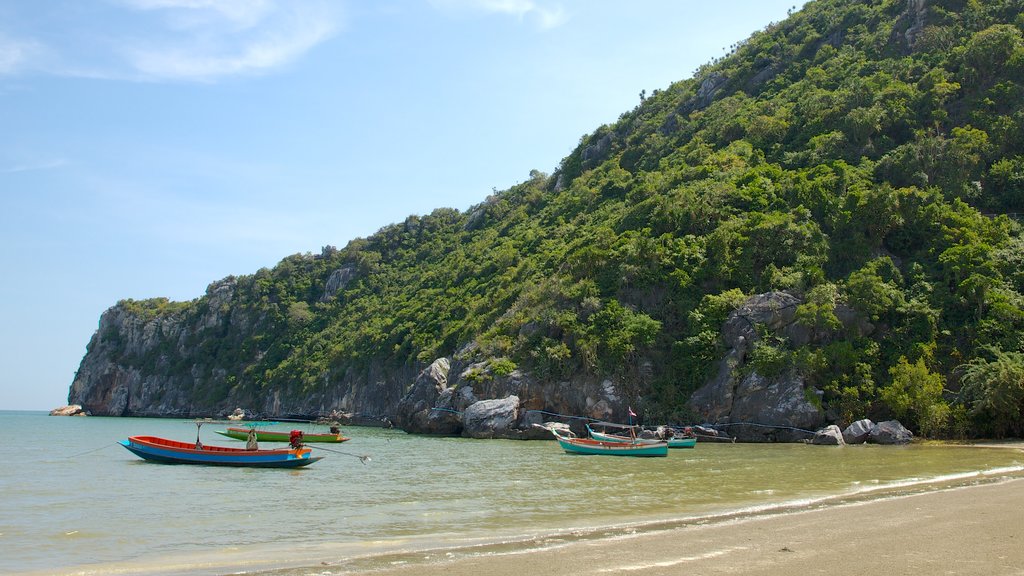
x,y
863,159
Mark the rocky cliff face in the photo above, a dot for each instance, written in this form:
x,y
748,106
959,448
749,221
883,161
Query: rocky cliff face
x,y
175,364
449,397
753,407
133,368
457,398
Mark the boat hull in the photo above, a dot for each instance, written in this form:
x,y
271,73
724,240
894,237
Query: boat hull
x,y
166,451
672,442
590,446
682,442
274,436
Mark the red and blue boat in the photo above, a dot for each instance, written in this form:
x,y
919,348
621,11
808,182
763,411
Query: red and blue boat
x,y
166,451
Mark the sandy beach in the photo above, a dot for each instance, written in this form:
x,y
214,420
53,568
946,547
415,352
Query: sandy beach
x,y
977,529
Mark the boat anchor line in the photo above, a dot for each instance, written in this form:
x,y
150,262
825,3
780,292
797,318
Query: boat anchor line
x,y
364,458
706,425
93,450
756,425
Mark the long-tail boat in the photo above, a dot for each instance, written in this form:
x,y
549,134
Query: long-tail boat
x,y
278,436
158,449
673,442
574,445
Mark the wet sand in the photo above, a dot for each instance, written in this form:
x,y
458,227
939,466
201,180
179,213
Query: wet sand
x,y
976,529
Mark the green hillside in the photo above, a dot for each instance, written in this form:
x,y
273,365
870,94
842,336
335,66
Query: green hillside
x,y
864,156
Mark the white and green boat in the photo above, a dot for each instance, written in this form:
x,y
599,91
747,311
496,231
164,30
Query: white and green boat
x,y
574,445
605,436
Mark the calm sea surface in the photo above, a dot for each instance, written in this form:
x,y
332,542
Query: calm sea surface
x,y
74,502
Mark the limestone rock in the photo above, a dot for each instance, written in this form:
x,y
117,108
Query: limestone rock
x,y
754,407
491,418
596,152
778,405
890,432
69,410
709,88
828,436
238,414
337,281
414,412
857,432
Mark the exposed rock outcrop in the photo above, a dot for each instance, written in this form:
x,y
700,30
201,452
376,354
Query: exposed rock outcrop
x,y
755,407
890,432
857,432
710,86
338,280
70,410
491,418
914,19
758,408
597,151
166,363
427,407
478,403
133,367
828,436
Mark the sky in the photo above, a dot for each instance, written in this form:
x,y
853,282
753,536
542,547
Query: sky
x,y
151,147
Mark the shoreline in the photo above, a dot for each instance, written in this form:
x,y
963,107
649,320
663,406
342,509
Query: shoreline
x,y
984,502
959,528
964,527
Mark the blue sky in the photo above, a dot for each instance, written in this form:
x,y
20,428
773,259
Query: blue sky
x,y
150,147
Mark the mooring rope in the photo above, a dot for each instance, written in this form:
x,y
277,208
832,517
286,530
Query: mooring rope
x,y
587,418
362,458
756,425
678,426
93,450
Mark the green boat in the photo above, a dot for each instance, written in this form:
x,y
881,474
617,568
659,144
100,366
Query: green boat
x,y
682,442
673,442
278,436
591,446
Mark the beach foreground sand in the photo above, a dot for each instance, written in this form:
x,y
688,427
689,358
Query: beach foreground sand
x,y
975,529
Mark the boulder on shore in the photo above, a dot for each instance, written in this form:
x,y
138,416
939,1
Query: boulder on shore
x,y
857,432
69,410
828,436
491,418
890,432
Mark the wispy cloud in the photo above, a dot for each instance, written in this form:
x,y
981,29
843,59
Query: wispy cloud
x,y
171,40
210,39
15,54
191,13
545,16
221,41
44,165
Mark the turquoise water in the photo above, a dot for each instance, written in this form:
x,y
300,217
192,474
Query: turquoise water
x,y
74,502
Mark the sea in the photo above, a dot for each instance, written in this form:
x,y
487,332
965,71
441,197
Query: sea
x,y
73,501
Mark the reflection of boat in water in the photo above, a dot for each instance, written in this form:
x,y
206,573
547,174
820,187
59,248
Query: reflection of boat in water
x,y
278,436
573,445
605,436
174,452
